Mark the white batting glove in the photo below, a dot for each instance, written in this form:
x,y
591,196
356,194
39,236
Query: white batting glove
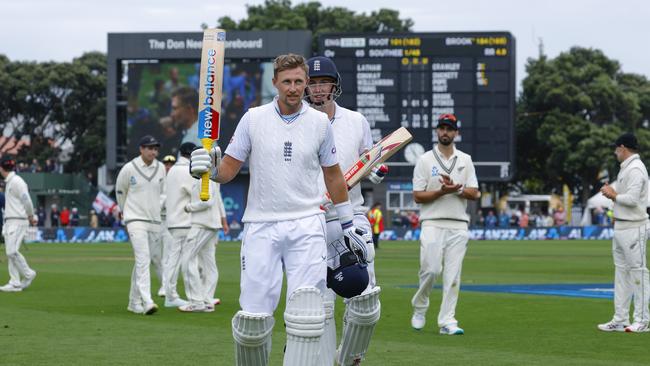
x,y
378,173
357,241
203,161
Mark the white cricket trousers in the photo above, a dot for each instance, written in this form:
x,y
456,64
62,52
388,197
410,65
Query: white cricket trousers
x,y
143,237
14,231
441,252
631,274
198,253
172,264
297,246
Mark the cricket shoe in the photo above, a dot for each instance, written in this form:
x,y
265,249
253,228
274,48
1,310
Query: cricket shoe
x,y
194,308
612,326
418,321
161,292
452,330
10,288
175,303
28,280
136,309
216,301
150,309
209,308
637,328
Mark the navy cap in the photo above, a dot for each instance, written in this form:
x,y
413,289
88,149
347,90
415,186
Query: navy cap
x,y
187,148
322,66
8,162
448,119
628,140
149,140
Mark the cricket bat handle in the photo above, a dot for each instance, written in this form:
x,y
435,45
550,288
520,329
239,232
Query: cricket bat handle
x,y
205,177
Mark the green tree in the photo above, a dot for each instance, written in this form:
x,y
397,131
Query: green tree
x,y
55,105
281,15
571,108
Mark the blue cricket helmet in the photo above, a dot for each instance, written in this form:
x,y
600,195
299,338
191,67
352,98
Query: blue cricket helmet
x,y
321,66
351,278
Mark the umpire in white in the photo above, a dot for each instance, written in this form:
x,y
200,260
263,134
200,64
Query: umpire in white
x,y
140,187
443,180
18,215
630,195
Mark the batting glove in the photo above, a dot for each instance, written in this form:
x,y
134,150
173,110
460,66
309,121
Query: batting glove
x,y
378,173
203,161
357,240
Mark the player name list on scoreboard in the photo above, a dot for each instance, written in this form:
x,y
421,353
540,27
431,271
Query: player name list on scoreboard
x,y
409,80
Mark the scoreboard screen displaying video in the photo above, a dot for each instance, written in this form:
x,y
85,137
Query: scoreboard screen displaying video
x,y
411,79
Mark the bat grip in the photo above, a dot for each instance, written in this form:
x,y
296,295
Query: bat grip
x,y
205,177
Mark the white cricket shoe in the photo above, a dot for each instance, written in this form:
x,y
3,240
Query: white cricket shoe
x,y
161,292
136,309
612,326
637,328
175,303
27,280
10,288
216,301
194,308
418,321
452,330
150,309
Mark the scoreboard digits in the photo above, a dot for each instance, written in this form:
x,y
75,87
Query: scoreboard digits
x,y
409,80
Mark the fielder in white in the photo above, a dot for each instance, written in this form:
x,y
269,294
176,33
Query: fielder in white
x,y
140,187
199,249
179,193
287,144
166,237
352,137
631,226
443,180
18,215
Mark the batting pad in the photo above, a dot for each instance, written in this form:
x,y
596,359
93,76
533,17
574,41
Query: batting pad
x,y
305,322
361,315
328,339
252,334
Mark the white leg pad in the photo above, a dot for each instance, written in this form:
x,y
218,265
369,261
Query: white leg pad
x,y
328,339
361,315
252,334
305,323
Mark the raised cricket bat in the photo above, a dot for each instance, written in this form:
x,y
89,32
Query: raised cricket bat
x,y
379,153
210,94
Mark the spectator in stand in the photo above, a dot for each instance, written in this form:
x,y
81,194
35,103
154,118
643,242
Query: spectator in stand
x,y
490,220
414,219
94,220
65,217
117,217
40,213
50,167
548,220
35,167
101,219
514,220
504,220
559,217
523,220
74,217
54,216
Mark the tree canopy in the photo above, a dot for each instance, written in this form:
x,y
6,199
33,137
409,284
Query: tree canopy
x,y
571,108
53,105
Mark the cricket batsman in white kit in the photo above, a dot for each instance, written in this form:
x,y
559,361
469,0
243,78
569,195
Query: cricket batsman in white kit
x,y
352,137
140,188
18,215
631,226
444,179
287,144
199,249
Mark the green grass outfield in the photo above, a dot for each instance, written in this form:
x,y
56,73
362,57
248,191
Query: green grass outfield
x,y
75,311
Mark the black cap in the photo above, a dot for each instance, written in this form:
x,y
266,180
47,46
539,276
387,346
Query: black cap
x,y
8,162
149,140
628,140
448,119
186,149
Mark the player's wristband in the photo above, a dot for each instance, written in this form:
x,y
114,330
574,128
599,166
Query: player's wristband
x,y
345,213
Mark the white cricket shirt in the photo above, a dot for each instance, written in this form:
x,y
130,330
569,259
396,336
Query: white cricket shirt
x,y
18,203
208,213
285,160
140,189
179,191
632,194
450,210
